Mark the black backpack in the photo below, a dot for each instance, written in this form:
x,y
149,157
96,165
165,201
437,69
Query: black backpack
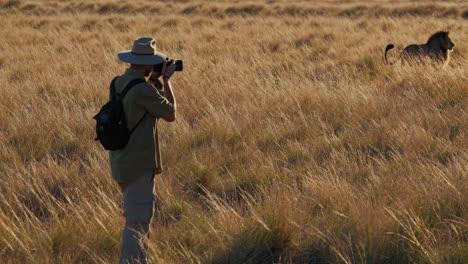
x,y
111,125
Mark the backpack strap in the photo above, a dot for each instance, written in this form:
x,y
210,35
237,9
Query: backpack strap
x,y
130,86
141,119
125,90
112,88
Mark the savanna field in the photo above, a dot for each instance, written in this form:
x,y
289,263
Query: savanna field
x,y
294,142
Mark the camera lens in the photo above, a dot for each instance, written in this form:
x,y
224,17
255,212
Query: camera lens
x,y
179,65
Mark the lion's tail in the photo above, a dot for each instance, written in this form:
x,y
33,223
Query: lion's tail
x,y
389,47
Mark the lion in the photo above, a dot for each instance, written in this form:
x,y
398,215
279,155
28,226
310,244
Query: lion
x,y
437,49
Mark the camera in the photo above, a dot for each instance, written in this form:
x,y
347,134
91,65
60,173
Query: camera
x,y
179,65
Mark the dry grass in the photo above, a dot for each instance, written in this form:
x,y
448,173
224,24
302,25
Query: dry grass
x,y
294,143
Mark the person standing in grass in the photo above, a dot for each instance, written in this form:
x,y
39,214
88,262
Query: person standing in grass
x,y
135,166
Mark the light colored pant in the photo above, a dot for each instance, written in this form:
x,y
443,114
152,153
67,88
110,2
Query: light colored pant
x,y
138,209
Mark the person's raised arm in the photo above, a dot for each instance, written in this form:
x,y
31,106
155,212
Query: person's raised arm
x,y
167,72
154,103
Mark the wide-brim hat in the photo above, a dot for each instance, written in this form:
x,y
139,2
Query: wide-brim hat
x,y
143,52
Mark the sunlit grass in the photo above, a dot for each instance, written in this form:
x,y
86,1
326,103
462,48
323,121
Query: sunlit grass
x,y
294,142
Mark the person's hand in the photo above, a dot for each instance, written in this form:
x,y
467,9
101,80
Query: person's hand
x,y
168,70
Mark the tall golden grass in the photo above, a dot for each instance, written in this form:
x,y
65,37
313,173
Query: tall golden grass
x,y
294,142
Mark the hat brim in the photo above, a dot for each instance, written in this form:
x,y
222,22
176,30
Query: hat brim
x,y
129,57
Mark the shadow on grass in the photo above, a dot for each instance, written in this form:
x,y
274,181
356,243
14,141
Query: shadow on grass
x,y
256,244
259,245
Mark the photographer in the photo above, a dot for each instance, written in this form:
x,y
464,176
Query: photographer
x,y
134,166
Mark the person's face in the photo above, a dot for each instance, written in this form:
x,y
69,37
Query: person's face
x,y
148,70
155,74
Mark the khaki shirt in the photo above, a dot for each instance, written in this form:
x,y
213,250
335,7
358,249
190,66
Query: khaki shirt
x,y
142,152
